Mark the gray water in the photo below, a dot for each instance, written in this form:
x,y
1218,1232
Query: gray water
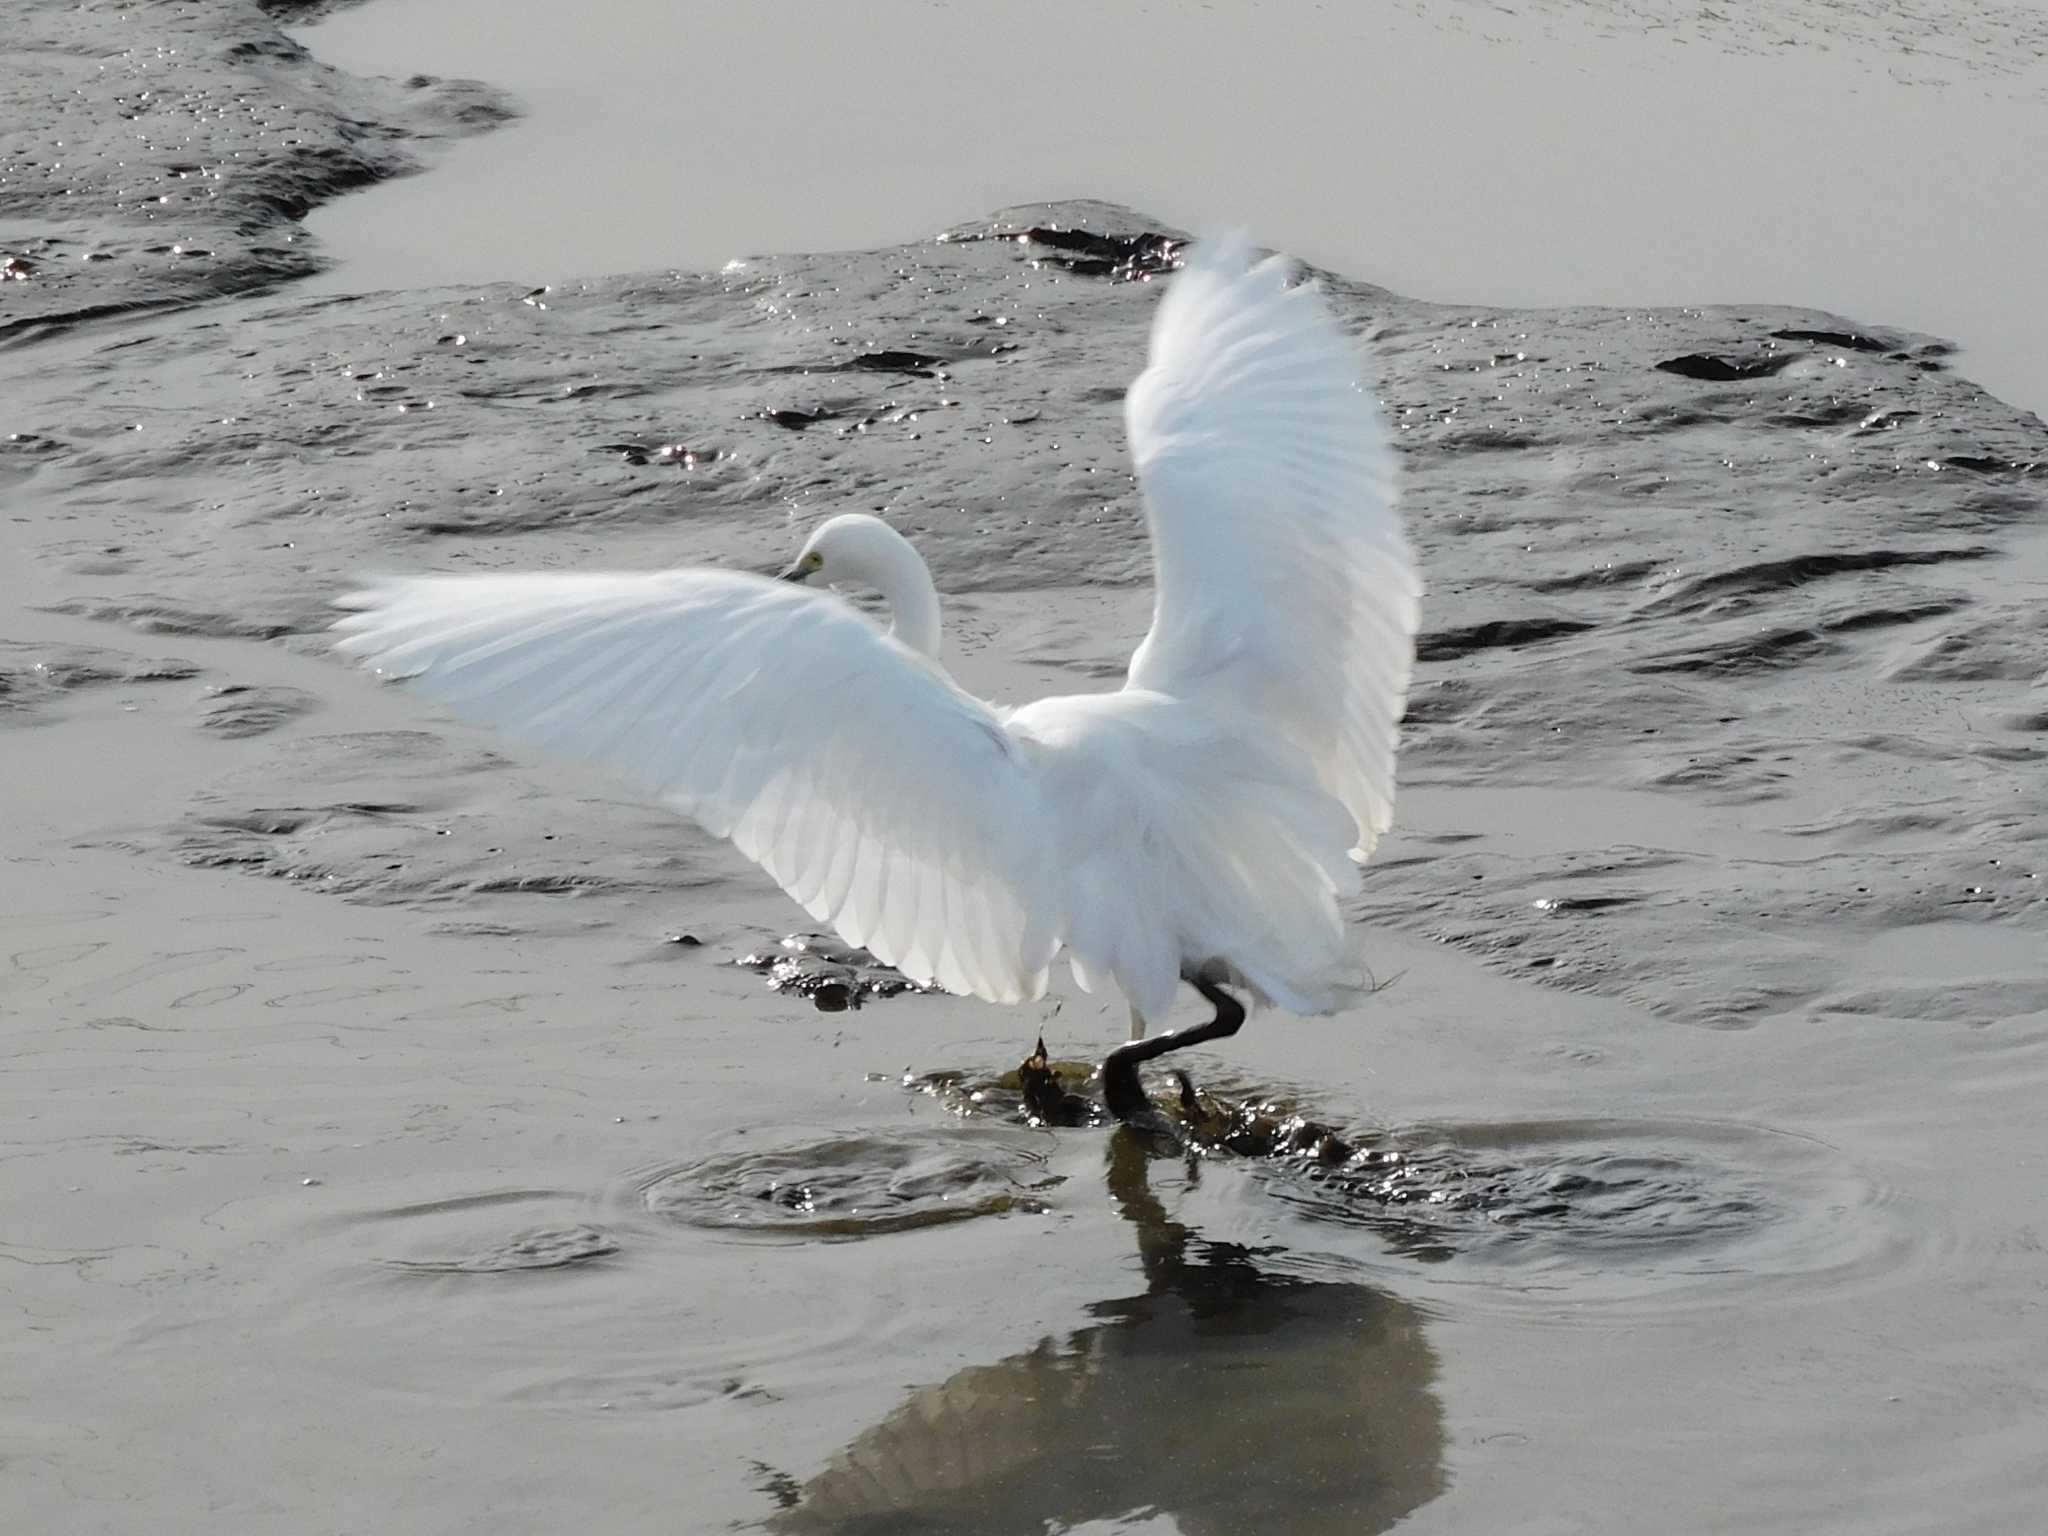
x,y
1872,161
376,1155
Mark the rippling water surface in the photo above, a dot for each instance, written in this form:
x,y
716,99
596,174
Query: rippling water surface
x,y
400,1134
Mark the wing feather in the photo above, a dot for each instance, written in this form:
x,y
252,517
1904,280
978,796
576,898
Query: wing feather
x,y
888,802
1287,592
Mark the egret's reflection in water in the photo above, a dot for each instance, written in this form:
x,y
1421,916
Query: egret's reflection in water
x,y
1225,1395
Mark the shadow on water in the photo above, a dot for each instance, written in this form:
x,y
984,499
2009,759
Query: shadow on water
x,y
1254,1380
1225,1394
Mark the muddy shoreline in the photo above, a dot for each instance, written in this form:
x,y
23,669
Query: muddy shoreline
x,y
155,159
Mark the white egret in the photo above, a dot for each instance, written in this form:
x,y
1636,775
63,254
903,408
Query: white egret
x,y
1201,824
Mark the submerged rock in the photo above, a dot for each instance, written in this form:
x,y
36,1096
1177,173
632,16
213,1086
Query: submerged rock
x,y
833,975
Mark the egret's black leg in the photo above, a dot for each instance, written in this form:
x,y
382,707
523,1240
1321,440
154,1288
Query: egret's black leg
x,y
1122,1091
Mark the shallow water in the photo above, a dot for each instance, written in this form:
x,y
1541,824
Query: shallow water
x,y
377,1156
1865,160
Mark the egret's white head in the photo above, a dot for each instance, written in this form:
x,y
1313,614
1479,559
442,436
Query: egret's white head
x,y
856,550
852,549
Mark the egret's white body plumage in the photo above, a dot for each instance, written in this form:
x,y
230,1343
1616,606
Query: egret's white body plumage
x,y
1207,815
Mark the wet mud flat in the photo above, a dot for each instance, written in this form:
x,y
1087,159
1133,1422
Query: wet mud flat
x,y
155,157
377,1152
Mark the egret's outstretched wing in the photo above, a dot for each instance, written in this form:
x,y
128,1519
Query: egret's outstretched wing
x,y
888,802
1287,592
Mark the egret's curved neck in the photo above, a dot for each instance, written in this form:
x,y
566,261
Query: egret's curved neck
x,y
905,582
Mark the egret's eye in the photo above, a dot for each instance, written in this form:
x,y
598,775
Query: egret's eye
x,y
814,561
